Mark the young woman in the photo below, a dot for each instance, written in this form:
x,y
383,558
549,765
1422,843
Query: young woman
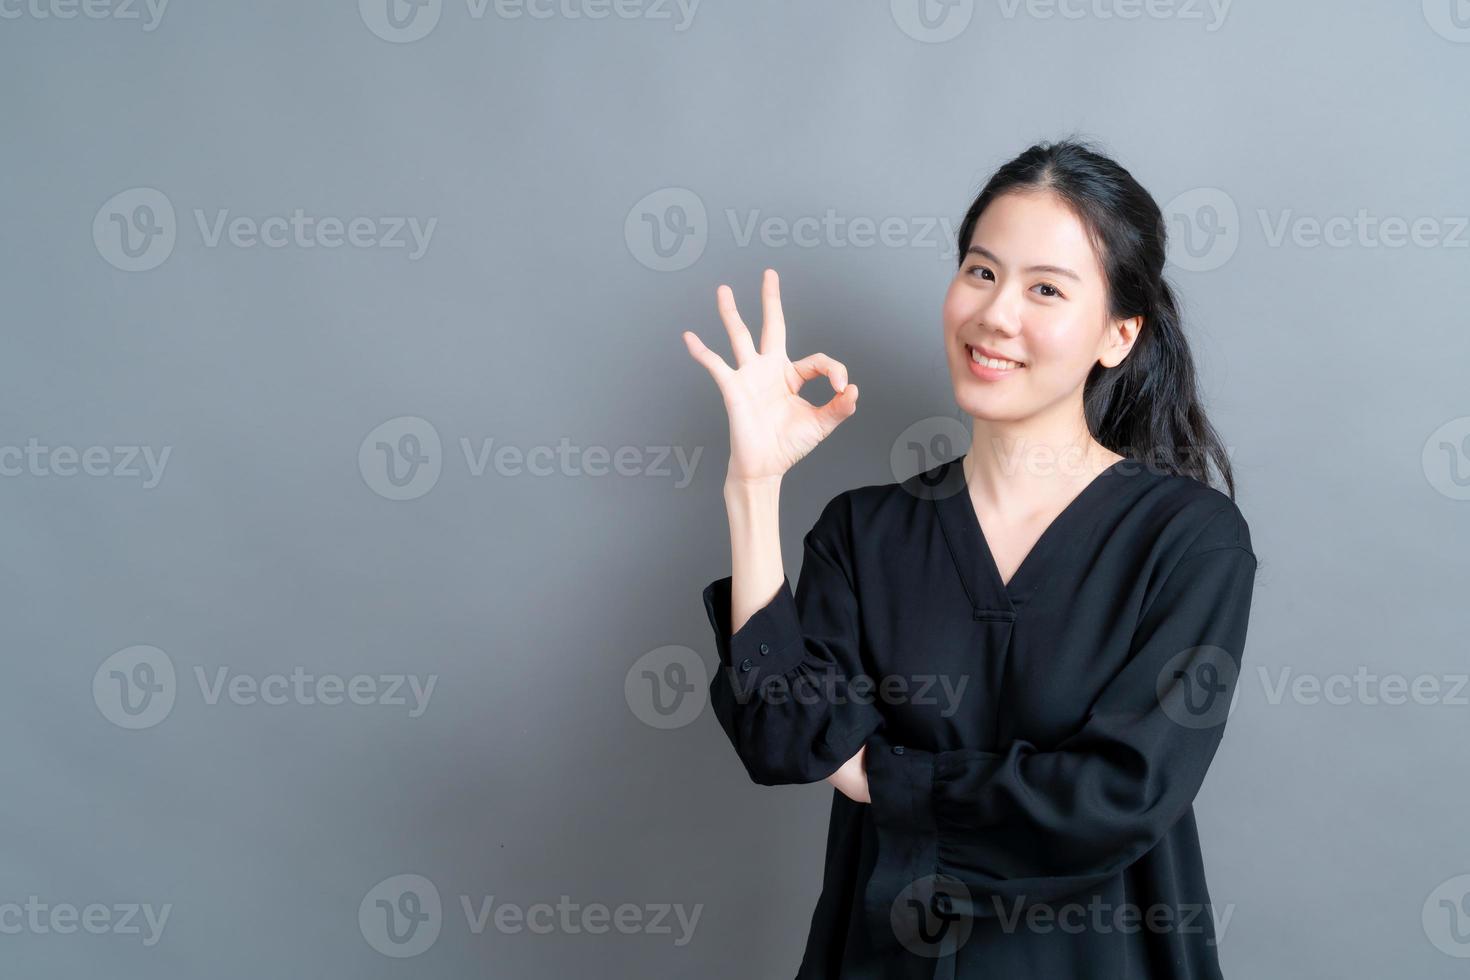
x,y
1014,667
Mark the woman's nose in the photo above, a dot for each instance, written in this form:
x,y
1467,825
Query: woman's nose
x,y
1000,312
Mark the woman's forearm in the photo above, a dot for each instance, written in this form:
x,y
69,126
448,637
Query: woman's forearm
x,y
756,572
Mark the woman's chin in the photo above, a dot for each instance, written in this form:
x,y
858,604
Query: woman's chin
x,y
989,405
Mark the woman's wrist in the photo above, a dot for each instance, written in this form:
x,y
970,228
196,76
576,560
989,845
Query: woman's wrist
x,y
752,489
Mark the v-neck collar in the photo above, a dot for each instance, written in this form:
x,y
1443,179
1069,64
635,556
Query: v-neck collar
x,y
945,486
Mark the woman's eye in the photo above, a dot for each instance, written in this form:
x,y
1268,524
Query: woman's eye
x,y
990,276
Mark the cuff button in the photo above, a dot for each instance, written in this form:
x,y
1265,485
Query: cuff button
x,y
898,750
765,649
745,664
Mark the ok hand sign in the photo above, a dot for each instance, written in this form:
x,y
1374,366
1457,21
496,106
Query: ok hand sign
x,y
771,426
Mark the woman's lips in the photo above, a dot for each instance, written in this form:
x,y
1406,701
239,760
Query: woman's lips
x,y
987,373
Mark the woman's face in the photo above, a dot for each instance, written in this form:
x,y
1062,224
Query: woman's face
x,y
1030,290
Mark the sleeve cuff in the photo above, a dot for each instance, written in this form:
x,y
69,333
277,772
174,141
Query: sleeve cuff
x,y
905,785
901,788
769,644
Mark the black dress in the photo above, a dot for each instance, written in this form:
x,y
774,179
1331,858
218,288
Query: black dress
x,y
1034,748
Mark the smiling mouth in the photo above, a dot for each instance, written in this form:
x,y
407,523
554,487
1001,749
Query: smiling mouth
x,y
995,363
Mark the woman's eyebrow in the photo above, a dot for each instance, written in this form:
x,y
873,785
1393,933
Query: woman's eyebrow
x,y
1054,269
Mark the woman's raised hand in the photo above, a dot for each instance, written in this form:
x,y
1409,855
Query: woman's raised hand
x,y
771,426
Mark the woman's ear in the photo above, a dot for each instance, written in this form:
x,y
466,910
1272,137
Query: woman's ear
x,y
1120,340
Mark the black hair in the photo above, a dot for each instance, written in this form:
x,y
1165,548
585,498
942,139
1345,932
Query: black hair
x,y
1147,407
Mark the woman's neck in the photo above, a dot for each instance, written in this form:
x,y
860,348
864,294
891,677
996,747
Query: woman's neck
x,y
1014,472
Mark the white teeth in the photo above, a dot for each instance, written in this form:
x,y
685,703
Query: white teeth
x,y
992,362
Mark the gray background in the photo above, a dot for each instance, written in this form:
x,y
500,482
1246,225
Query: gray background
x,y
541,313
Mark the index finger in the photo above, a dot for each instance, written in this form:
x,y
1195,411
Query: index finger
x,y
773,323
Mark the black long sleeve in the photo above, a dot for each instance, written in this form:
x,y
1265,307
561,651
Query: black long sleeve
x,y
783,689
